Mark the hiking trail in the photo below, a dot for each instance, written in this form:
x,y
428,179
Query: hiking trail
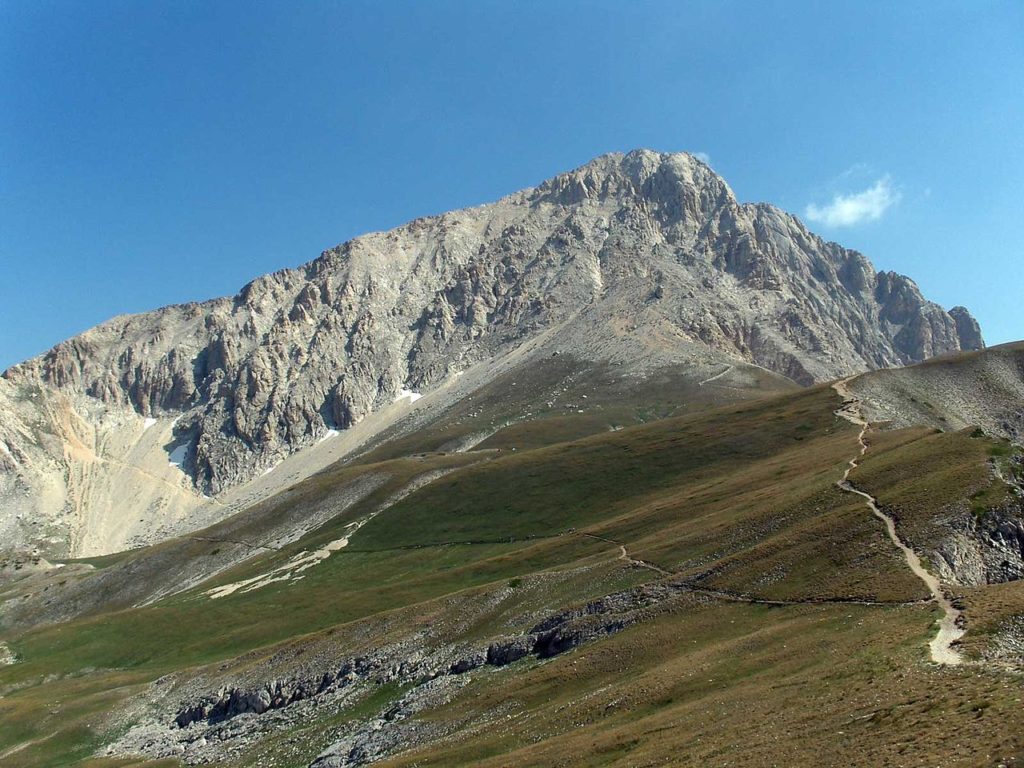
x,y
949,631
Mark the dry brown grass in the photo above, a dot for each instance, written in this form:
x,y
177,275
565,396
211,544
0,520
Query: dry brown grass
x,y
739,685
741,499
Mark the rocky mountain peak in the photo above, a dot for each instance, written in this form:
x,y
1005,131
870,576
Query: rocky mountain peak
x,y
674,183
968,330
641,259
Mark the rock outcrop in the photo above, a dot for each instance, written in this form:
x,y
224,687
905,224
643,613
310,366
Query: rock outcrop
x,y
635,258
986,545
967,329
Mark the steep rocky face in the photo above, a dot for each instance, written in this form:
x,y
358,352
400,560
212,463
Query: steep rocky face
x,y
641,258
967,329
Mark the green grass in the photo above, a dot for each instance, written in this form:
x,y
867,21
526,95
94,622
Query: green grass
x,y
737,684
60,723
740,498
194,629
539,404
548,490
923,477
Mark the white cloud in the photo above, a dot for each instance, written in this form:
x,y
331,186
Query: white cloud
x,y
857,170
848,210
704,157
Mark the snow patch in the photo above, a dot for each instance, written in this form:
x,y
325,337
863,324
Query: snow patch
x,y
289,571
596,276
304,560
149,422
176,458
271,468
330,433
404,394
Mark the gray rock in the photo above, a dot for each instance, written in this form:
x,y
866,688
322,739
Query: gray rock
x,y
468,663
508,650
984,549
967,329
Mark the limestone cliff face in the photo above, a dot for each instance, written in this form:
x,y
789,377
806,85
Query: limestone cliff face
x,y
629,257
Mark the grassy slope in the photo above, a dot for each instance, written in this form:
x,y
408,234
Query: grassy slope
x,y
561,399
739,499
925,475
739,685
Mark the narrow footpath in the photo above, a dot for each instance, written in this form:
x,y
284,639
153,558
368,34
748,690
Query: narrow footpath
x,y
949,631
685,585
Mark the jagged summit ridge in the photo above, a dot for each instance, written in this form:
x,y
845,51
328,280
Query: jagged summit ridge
x,y
639,258
675,181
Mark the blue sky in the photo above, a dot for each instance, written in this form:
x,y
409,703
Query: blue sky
x,y
162,152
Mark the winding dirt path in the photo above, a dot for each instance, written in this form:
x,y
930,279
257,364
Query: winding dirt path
x,y
717,376
624,555
941,645
25,745
737,597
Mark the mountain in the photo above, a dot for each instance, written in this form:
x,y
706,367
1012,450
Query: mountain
x,y
615,471
156,424
650,570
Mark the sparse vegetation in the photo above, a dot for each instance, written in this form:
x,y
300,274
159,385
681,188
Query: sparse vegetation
x,y
739,501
